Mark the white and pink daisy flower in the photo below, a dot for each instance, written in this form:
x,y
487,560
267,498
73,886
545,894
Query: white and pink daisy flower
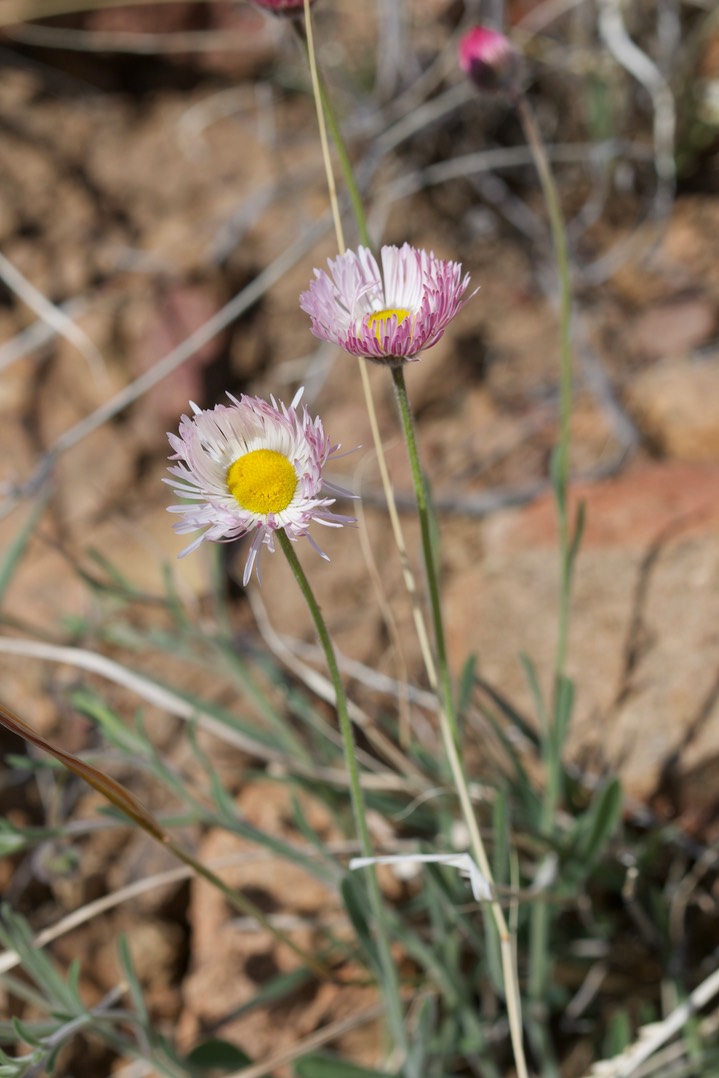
x,y
251,468
390,315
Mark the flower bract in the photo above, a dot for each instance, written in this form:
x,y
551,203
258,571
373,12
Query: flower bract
x,y
389,315
251,468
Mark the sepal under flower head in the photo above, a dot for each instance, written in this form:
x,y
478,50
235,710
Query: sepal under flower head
x,y
390,315
251,468
490,60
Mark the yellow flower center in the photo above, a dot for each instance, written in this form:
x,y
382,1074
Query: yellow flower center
x,y
379,319
262,481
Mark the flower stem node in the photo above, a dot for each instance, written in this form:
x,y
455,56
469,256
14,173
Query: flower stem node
x,y
389,315
252,468
491,61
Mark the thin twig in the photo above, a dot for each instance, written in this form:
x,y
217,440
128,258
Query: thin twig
x,y
55,317
653,1036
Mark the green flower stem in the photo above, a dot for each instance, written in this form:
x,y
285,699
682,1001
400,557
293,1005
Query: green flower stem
x,y
449,725
427,527
346,165
561,473
389,973
305,33
540,961
326,118
335,131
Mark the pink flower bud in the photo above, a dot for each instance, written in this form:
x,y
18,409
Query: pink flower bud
x,y
490,60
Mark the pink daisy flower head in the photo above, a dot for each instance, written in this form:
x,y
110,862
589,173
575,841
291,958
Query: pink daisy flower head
x,y
251,468
390,315
490,60
283,7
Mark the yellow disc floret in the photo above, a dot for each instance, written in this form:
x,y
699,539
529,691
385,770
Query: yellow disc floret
x,y
262,481
379,319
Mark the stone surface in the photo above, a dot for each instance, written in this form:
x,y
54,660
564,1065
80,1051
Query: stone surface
x,y
674,328
644,643
676,404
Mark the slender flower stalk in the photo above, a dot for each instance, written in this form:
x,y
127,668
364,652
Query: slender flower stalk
x,y
389,330
561,464
378,315
255,468
387,972
326,118
540,961
487,56
449,724
426,528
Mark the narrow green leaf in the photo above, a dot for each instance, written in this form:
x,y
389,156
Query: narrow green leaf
x,y
507,709
599,823
563,707
216,1053
557,478
327,1066
466,684
117,580
276,990
577,533
356,903
500,830
16,549
530,672
618,1035
133,984
91,704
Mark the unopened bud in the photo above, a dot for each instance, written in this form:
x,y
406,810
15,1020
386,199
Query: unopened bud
x,y
490,60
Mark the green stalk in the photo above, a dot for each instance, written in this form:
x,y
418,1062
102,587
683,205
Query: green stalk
x,y
561,464
438,678
389,973
426,526
345,165
326,118
540,962
335,131
449,724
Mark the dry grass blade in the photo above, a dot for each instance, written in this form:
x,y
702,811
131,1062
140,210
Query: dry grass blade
x,y
114,791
